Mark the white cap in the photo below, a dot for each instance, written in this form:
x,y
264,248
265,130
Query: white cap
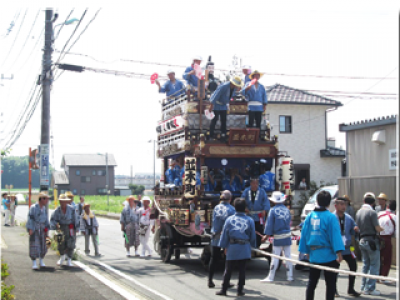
x,y
197,57
146,198
246,67
170,71
277,197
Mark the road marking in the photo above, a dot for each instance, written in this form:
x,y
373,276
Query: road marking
x,y
107,282
119,273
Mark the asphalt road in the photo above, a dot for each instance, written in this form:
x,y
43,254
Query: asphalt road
x,y
186,279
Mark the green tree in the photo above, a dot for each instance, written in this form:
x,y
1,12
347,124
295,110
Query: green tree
x,y
136,189
16,172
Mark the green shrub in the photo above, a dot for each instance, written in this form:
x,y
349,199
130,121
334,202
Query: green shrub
x,y
5,289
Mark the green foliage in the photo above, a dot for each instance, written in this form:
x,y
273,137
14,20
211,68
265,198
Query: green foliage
x,y
136,189
5,289
16,172
4,152
4,270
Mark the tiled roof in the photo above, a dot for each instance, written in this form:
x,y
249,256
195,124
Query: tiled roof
x,y
282,94
87,160
379,121
60,177
332,151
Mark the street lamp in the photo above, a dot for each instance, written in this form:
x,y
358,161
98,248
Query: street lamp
x,y
69,22
154,161
108,192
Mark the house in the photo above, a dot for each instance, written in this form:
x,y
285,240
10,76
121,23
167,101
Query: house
x,y
299,119
371,158
85,174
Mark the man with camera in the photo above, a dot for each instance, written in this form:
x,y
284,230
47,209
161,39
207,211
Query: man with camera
x,y
367,220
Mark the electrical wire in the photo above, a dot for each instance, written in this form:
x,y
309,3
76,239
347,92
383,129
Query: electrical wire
x,y
69,39
12,24
32,51
63,24
16,36
23,46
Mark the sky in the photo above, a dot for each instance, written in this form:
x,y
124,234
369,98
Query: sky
x,y
327,43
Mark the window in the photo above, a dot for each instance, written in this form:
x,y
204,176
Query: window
x,y
102,191
285,124
78,172
101,172
82,192
85,178
94,172
74,191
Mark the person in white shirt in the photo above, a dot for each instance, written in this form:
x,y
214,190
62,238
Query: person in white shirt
x,y
144,226
303,184
388,221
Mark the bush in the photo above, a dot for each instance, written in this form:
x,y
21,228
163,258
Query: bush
x,y
5,289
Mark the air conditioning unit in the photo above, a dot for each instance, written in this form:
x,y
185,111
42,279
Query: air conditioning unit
x,y
379,137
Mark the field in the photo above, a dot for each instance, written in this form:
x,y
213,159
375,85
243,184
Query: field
x,y
99,203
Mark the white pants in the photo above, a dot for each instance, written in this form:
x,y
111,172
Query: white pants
x,y
275,262
144,239
7,216
12,214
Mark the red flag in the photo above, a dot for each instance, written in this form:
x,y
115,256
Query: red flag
x,y
153,78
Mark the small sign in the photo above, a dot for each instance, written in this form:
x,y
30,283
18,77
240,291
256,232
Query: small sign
x,y
190,177
243,136
393,159
44,165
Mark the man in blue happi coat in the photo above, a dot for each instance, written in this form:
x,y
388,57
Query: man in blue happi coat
x,y
237,238
221,212
278,225
189,74
257,206
219,104
257,98
348,229
267,178
322,241
173,87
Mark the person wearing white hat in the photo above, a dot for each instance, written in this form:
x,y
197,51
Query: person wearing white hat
x,y
246,69
172,87
219,104
257,97
38,226
144,226
189,74
130,225
278,225
64,219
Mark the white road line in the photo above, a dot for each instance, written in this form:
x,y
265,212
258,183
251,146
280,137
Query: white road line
x,y
119,273
107,282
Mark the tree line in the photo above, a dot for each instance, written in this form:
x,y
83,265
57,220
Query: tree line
x,y
15,171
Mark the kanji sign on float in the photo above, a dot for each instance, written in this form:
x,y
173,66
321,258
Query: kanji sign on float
x,y
190,177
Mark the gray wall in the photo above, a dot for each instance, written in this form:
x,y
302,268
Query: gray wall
x,y
367,158
95,183
368,165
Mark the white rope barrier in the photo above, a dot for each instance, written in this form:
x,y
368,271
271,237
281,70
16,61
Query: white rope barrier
x,y
297,262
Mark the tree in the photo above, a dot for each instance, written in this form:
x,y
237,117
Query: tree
x,y
16,172
136,189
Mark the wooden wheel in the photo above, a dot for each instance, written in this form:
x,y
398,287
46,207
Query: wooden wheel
x,y
166,245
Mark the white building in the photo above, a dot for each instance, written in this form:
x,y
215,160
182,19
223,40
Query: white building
x,y
299,119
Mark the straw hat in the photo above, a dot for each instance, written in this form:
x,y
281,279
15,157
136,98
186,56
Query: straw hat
x,y
131,197
86,205
43,194
346,197
12,196
63,198
382,196
277,197
237,81
69,195
255,72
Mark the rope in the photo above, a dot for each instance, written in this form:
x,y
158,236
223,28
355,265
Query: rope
x,y
325,268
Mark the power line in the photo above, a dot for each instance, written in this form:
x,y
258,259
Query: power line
x,y
63,24
32,51
12,24
15,38
27,37
76,28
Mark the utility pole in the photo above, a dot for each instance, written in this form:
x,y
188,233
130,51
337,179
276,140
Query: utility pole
x,y
107,183
46,79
